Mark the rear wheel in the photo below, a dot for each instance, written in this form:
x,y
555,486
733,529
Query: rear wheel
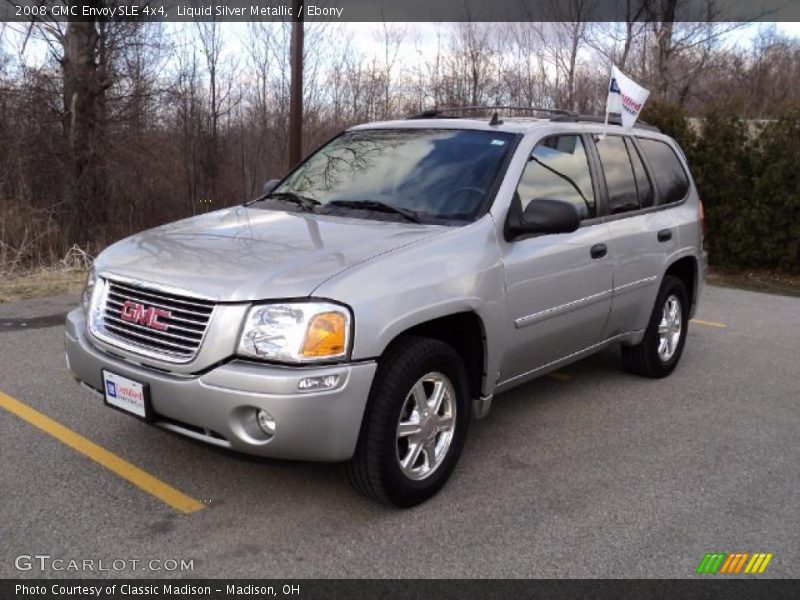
x,y
659,352
415,425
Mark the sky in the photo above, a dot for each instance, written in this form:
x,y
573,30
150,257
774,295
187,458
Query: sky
x,y
420,38
367,37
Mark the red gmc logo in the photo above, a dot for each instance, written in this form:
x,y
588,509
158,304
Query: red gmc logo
x,y
149,316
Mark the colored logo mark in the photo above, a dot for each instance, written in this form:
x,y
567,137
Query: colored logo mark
x,y
111,389
734,562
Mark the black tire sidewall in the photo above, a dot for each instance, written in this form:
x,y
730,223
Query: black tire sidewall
x,y
393,383
671,286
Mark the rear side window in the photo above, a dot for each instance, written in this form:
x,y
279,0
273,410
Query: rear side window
x,y
620,181
671,179
646,195
558,169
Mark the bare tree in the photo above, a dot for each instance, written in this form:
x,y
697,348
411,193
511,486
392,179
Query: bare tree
x,y
219,96
615,41
85,68
392,36
109,128
682,49
525,77
563,41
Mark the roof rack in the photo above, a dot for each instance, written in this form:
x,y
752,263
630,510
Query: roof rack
x,y
446,112
613,119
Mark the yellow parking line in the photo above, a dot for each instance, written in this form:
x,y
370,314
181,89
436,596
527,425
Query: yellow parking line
x,y
709,323
144,481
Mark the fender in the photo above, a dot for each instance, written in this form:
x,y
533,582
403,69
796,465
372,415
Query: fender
x,y
458,271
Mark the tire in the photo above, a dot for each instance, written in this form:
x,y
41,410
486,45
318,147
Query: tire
x,y
645,358
375,469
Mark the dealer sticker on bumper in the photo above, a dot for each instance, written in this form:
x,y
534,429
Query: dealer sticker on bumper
x,y
125,394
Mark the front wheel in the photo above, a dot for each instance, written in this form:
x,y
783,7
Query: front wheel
x,y
415,425
659,352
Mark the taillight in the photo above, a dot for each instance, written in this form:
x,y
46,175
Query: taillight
x,y
702,215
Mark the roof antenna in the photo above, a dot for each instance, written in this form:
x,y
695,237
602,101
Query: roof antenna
x,y
495,120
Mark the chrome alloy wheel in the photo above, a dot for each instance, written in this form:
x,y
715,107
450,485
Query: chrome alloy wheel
x,y
427,425
669,329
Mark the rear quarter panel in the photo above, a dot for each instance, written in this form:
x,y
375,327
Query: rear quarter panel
x,y
684,218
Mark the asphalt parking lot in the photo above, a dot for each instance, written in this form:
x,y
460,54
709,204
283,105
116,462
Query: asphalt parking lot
x,y
588,473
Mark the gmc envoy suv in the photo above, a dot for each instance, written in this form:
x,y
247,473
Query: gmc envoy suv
x,y
369,305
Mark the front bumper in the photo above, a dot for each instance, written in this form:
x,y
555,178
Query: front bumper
x,y
218,405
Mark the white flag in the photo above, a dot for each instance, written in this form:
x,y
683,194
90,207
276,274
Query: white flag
x,y
625,97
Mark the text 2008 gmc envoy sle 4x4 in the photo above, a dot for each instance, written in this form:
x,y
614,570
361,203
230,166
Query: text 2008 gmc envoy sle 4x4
x,y
370,304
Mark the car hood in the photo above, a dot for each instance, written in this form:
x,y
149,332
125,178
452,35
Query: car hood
x,y
244,253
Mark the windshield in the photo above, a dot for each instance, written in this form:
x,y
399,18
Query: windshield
x,y
430,174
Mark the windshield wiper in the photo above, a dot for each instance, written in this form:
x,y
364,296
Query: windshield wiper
x,y
378,206
305,202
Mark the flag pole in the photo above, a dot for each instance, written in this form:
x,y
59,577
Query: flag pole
x,y
610,83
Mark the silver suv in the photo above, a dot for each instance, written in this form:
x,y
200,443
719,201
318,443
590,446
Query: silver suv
x,y
370,304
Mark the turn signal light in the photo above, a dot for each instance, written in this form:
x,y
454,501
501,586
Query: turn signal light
x,y
326,336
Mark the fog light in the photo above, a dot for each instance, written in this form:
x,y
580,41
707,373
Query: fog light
x,y
321,382
266,421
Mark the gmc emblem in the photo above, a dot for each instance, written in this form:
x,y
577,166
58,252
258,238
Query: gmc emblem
x,y
149,316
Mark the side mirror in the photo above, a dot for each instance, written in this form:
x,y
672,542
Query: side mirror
x,y
542,215
270,185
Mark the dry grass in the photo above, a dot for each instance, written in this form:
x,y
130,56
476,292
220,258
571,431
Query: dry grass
x,y
40,282
757,281
66,276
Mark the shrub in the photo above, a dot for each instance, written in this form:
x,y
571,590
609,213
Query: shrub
x,y
772,214
670,119
722,165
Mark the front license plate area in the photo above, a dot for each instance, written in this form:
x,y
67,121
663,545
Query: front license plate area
x,y
127,395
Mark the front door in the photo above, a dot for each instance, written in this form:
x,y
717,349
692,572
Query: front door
x,y
559,286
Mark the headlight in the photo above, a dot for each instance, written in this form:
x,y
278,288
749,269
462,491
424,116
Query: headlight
x,y
296,332
88,289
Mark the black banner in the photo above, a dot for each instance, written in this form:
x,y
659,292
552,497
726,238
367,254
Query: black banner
x,y
398,10
340,589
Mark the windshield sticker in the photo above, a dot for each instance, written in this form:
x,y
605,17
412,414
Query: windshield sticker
x,y
498,142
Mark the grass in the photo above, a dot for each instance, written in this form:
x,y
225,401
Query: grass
x,y
769,282
39,283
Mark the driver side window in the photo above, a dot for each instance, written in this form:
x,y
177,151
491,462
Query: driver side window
x,y
558,169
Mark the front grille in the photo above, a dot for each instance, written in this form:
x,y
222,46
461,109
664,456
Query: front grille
x,y
179,329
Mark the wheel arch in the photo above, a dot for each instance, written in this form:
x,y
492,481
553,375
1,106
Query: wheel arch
x,y
465,332
687,270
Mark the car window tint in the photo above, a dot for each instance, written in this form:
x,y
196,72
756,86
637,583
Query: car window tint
x,y
646,195
620,183
670,177
558,169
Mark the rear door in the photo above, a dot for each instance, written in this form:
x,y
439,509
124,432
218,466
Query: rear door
x,y
559,286
642,235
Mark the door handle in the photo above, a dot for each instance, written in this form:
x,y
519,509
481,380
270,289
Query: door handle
x,y
665,235
598,250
